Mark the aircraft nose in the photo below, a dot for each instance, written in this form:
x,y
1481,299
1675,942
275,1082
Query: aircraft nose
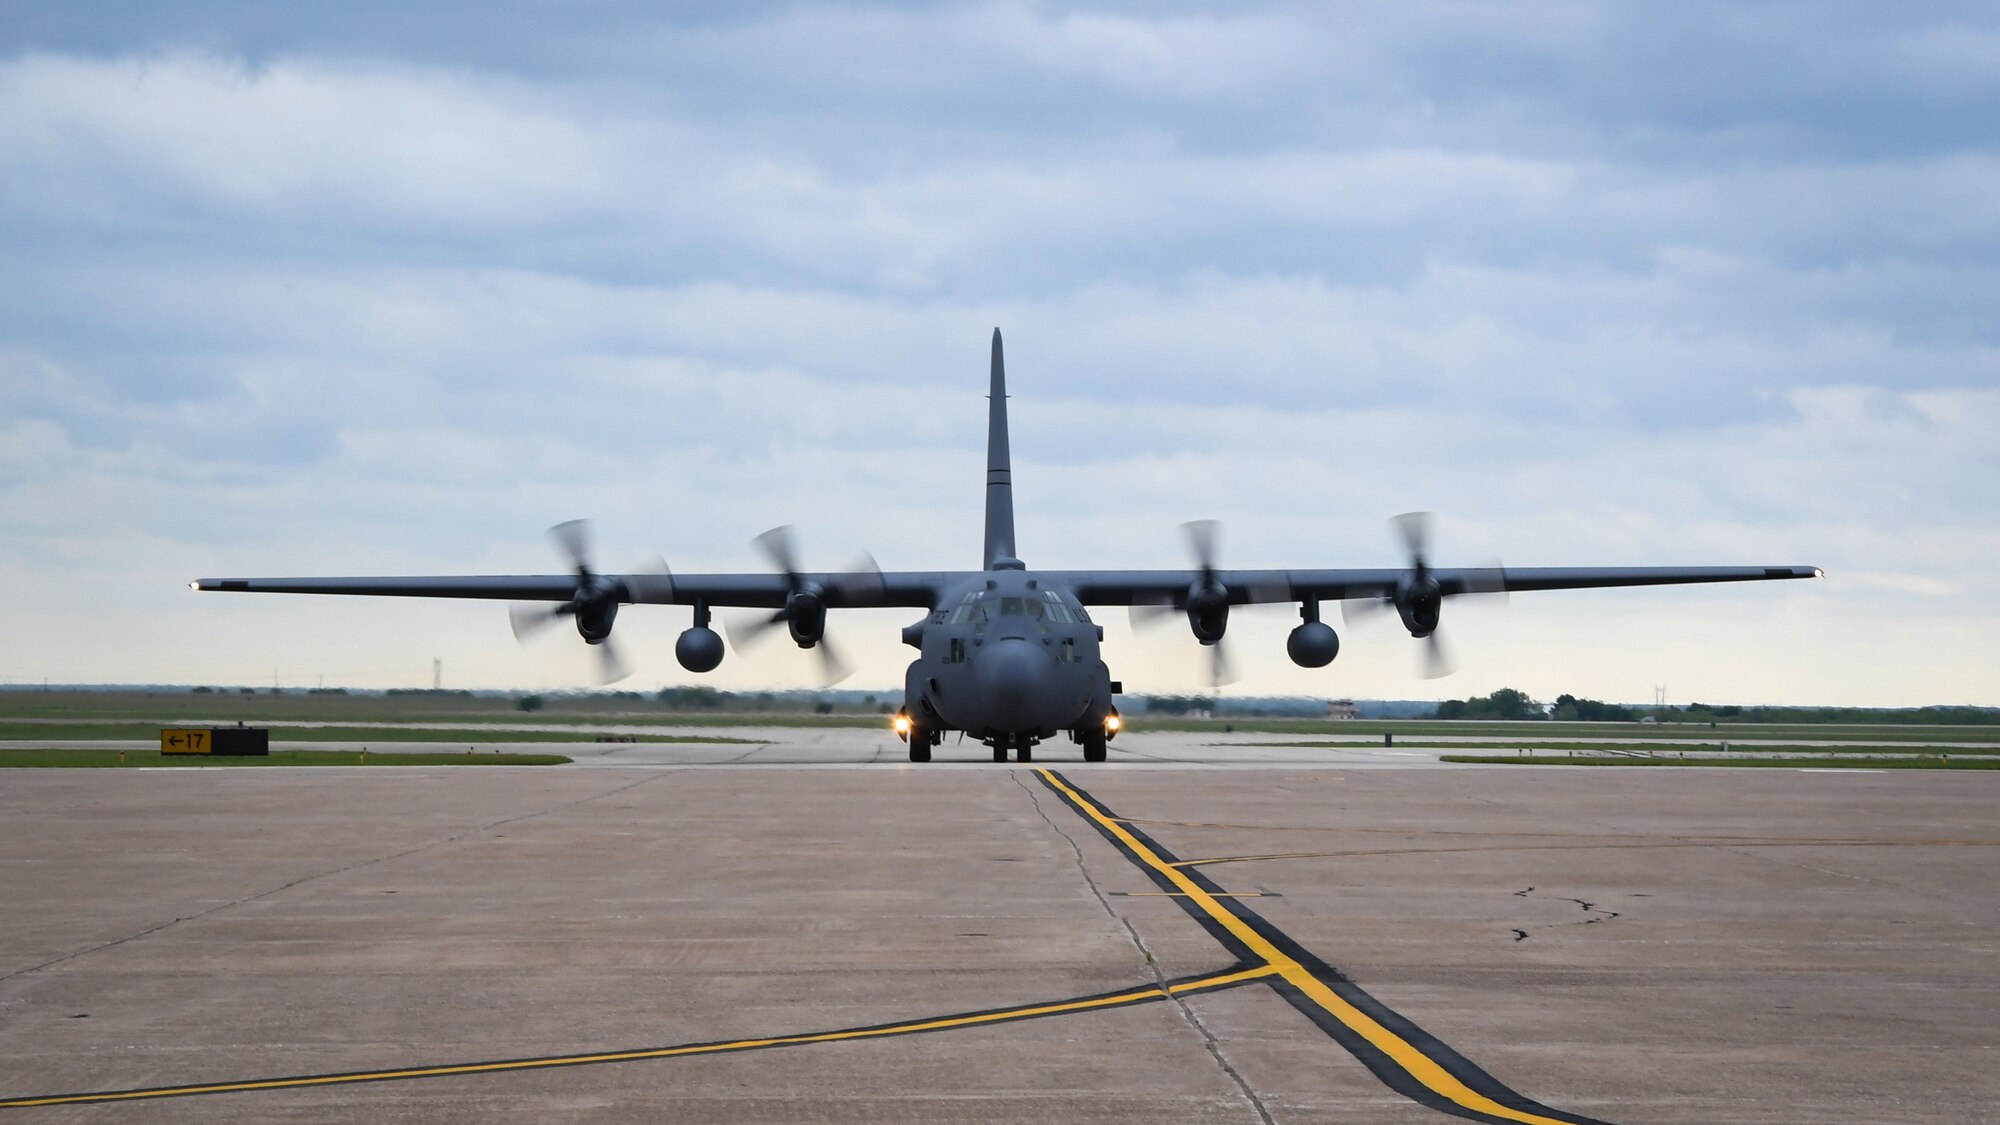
x,y
1013,678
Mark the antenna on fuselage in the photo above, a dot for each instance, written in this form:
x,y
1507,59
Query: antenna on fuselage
x,y
999,475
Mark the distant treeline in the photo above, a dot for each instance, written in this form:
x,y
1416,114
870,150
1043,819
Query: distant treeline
x,y
1180,704
695,698
1261,707
1512,704
1940,716
709,699
1504,704
1509,703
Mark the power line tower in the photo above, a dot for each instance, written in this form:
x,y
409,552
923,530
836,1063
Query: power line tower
x,y
437,673
1660,695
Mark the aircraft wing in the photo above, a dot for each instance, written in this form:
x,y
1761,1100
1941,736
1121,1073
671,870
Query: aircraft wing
x,y
923,589
1163,587
768,591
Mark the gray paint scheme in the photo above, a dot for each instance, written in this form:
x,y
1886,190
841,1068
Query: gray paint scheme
x,y
999,468
1028,672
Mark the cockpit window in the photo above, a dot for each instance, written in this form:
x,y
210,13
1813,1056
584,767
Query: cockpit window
x,y
1048,607
968,610
992,606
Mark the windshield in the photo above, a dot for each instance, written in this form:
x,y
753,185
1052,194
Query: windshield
x,y
1047,607
1034,609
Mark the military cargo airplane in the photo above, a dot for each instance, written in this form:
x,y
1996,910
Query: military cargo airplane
x,y
1009,655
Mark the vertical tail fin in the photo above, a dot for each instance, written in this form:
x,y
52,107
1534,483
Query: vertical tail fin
x,y
999,474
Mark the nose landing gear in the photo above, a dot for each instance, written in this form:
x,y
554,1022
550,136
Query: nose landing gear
x,y
1024,748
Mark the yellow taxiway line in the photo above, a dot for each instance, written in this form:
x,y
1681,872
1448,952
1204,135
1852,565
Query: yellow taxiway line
x,y
1417,1064
1149,993
1257,945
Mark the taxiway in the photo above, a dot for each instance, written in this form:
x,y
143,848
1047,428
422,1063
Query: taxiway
x,y
811,929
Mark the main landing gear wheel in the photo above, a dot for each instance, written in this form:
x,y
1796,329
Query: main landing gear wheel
x,y
1024,750
920,744
1093,745
1000,752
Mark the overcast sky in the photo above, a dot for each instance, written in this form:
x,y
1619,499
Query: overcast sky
x,y
379,288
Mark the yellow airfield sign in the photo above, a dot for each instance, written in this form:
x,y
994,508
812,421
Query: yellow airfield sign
x,y
187,741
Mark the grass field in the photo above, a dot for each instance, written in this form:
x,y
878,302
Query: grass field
x,y
133,759
1667,748
452,723
1445,731
118,729
264,709
1904,762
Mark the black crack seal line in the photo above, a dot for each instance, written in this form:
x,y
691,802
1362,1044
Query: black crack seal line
x,y
1231,977
1408,1059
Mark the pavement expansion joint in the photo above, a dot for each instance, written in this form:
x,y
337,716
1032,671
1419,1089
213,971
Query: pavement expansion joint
x,y
1187,1013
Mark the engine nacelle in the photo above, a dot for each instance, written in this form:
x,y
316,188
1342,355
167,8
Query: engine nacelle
x,y
805,617
699,649
1313,644
1420,603
1208,613
593,620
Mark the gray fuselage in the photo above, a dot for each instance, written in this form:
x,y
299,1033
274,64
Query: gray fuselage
x,y
1005,654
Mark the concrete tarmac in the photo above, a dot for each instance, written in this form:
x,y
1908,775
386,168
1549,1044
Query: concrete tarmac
x,y
1655,945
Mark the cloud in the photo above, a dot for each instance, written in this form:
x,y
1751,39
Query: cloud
x,y
186,131
1602,284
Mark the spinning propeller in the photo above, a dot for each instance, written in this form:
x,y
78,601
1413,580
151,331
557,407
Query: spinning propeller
x,y
593,606
1206,602
804,611
1418,598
